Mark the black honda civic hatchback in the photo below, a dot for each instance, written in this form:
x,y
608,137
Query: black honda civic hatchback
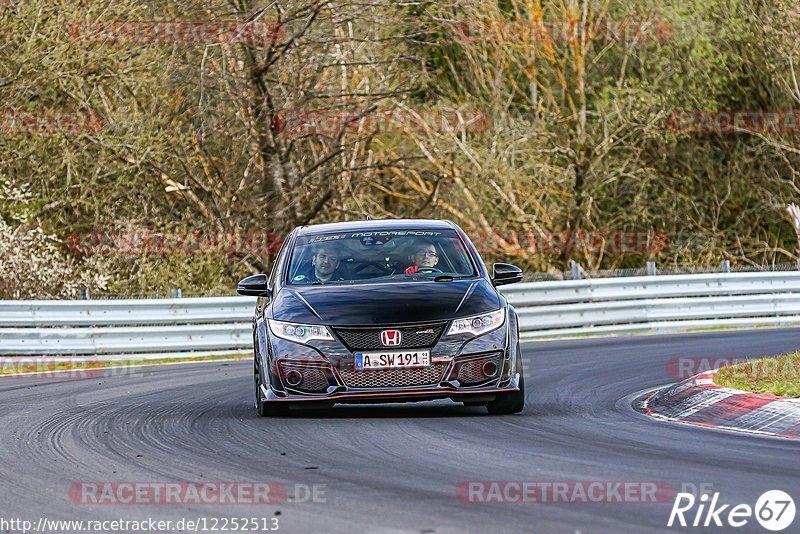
x,y
384,311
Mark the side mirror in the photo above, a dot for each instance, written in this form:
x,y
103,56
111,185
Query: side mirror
x,y
254,286
505,273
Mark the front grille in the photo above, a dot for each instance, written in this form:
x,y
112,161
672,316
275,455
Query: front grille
x,y
412,337
470,372
387,378
314,380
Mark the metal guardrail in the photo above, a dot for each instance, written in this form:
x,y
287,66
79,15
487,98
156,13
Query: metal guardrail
x,y
133,312
125,326
656,303
546,309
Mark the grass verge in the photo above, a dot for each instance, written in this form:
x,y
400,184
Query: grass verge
x,y
777,376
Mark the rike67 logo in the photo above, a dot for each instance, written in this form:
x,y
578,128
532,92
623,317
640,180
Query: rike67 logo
x,y
774,510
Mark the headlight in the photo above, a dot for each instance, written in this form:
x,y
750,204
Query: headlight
x,y
300,333
478,324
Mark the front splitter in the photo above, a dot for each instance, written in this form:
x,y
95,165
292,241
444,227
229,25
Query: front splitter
x,y
268,395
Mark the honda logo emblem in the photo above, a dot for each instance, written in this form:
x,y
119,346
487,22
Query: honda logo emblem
x,y
390,338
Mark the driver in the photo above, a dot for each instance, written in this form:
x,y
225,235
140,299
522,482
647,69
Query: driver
x,y
424,256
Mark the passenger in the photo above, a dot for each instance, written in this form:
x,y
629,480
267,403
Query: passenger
x,y
326,261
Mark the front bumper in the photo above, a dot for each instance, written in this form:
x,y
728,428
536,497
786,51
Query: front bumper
x,y
463,368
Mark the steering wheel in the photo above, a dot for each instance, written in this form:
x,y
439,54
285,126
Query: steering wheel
x,y
429,270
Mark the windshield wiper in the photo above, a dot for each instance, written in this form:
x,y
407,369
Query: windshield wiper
x,y
437,278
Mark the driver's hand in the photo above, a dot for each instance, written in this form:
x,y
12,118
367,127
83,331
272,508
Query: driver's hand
x,y
411,270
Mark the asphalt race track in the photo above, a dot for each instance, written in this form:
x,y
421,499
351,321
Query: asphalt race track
x,y
390,468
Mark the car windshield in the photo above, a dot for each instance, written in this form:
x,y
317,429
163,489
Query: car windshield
x,y
349,257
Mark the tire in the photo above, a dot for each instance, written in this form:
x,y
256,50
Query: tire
x,y
267,409
510,403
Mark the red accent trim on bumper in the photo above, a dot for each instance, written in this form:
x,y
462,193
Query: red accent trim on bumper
x,y
390,394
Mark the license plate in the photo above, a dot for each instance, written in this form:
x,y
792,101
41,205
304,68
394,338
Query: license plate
x,y
388,360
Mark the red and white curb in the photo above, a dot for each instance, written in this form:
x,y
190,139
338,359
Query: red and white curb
x,y
700,401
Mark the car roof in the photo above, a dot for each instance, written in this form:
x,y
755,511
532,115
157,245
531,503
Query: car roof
x,y
374,225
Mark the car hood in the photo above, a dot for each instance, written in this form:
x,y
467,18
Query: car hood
x,y
385,303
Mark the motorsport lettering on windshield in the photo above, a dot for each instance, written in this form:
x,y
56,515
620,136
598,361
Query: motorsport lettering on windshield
x,y
415,233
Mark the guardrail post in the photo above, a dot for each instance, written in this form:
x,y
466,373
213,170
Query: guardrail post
x,y
798,264
576,270
85,293
177,293
725,267
651,268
